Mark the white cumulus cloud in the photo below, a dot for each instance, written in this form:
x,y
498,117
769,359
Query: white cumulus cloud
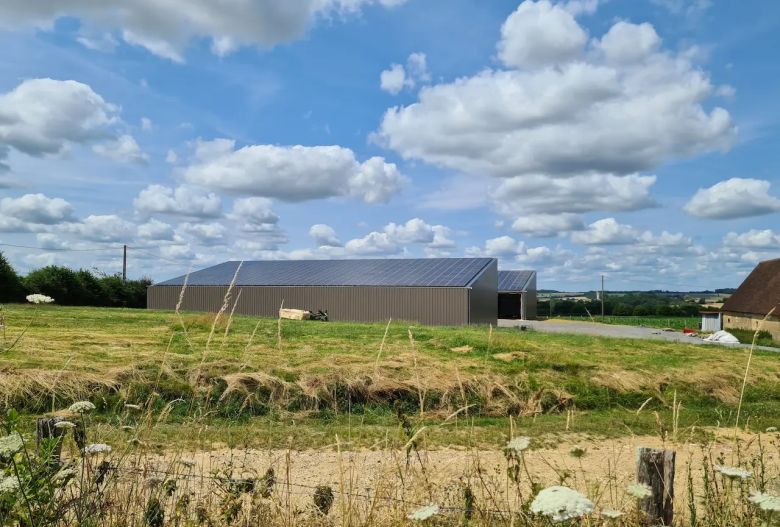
x,y
254,214
569,122
292,173
754,238
324,235
123,149
36,208
102,228
733,198
397,77
165,28
540,33
44,116
182,201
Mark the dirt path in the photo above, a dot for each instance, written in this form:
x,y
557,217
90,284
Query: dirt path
x,y
438,475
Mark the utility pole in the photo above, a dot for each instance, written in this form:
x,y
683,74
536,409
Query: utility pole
x,y
602,296
124,264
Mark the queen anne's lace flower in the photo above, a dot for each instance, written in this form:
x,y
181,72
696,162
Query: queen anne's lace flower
x,y
612,514
561,504
39,299
518,444
81,407
423,513
733,472
8,484
64,424
770,429
639,490
11,444
97,448
764,501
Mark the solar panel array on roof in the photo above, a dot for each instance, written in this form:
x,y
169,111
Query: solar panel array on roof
x,y
513,281
421,272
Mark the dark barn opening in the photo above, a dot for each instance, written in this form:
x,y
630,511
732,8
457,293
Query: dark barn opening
x,y
510,305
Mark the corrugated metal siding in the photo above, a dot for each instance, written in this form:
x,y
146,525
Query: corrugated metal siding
x,y
426,305
484,296
711,322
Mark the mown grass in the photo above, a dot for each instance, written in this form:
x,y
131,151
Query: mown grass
x,y
326,379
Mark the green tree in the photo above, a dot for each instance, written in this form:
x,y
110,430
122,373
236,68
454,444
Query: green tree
x,y
11,288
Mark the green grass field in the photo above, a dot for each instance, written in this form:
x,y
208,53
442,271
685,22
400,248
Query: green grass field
x,y
260,382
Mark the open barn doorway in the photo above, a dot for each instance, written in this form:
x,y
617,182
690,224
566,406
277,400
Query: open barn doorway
x,y
510,305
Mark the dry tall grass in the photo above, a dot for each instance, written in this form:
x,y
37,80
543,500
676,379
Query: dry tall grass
x,y
138,484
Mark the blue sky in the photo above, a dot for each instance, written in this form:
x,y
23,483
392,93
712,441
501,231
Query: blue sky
x,y
633,139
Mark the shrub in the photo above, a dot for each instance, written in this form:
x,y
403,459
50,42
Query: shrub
x,y
11,288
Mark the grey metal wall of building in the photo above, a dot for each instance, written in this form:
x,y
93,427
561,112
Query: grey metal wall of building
x,y
483,305
426,305
529,300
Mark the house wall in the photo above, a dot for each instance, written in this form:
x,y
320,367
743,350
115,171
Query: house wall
x,y
483,296
425,305
752,323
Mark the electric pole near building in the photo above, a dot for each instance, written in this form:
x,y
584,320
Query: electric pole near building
x,y
602,296
124,264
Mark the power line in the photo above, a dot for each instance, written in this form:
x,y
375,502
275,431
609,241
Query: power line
x,y
59,249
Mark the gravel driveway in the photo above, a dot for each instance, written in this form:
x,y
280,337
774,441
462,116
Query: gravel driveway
x,y
614,330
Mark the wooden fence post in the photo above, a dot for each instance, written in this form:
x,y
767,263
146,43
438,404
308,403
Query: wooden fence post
x,y
655,468
45,429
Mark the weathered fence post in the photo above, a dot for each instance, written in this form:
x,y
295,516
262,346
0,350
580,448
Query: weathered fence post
x,y
45,430
655,468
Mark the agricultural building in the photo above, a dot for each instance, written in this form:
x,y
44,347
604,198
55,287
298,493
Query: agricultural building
x,y
437,291
517,294
758,295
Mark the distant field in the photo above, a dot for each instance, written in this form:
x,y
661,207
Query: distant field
x,y
263,383
649,322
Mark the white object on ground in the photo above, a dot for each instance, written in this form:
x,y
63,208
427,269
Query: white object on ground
x,y
724,337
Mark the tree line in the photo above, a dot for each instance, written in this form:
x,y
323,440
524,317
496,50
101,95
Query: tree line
x,y
633,304
69,287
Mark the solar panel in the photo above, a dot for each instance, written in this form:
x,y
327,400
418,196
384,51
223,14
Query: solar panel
x,y
414,272
513,281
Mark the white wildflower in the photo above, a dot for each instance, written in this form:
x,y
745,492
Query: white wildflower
x,y
423,513
733,472
64,424
81,407
518,444
771,429
764,501
561,504
132,406
97,448
639,490
11,444
39,299
8,484
612,514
